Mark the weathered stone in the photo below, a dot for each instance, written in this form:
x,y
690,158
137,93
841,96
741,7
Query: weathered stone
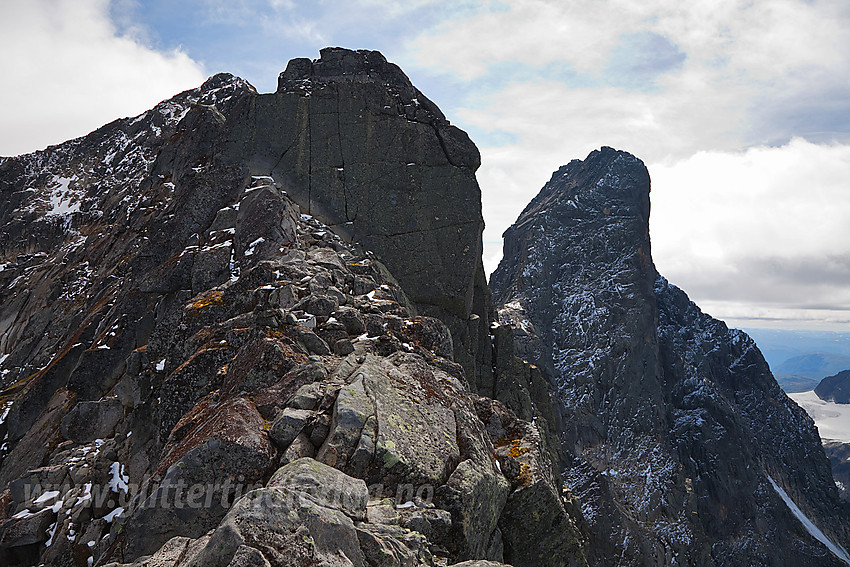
x,y
343,347
92,420
211,267
325,257
435,524
291,528
285,297
353,407
475,497
318,430
27,530
176,552
265,225
351,320
218,450
535,513
307,397
31,450
337,295
196,377
288,425
364,454
431,333
390,546
224,219
259,364
99,370
318,305
408,406
308,340
271,400
248,557
331,332
326,485
383,512
300,447
35,482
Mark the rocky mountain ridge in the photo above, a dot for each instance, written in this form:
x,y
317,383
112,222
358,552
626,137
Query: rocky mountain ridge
x,y
254,329
216,357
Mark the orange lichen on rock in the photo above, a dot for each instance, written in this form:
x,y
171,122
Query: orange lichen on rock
x,y
517,450
212,298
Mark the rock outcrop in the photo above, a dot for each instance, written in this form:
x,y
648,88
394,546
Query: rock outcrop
x,y
358,146
835,388
677,439
245,329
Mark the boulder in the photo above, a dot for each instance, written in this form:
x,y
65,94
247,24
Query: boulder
x,y
222,452
326,485
288,425
352,409
300,447
27,529
475,496
391,546
292,529
265,225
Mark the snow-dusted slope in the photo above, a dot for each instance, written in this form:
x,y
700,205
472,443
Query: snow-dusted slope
x,y
671,421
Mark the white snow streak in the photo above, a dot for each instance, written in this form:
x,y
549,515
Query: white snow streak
x,y
839,551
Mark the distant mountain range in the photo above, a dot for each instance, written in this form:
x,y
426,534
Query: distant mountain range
x,y
801,359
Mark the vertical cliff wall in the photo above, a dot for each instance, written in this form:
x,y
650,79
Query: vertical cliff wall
x,y
358,146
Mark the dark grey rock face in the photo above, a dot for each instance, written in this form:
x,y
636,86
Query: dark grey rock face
x,y
358,146
835,388
673,429
839,457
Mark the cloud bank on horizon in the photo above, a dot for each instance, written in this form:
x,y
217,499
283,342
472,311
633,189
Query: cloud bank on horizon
x,y
740,109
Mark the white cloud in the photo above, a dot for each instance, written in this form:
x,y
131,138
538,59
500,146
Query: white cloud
x,y
66,71
761,233
533,32
763,39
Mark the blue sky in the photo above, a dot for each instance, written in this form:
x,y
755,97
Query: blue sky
x,y
740,108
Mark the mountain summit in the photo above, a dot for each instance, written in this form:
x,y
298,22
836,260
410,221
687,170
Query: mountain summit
x,y
677,440
254,329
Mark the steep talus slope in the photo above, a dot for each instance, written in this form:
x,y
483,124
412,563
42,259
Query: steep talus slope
x,y
676,437
211,358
